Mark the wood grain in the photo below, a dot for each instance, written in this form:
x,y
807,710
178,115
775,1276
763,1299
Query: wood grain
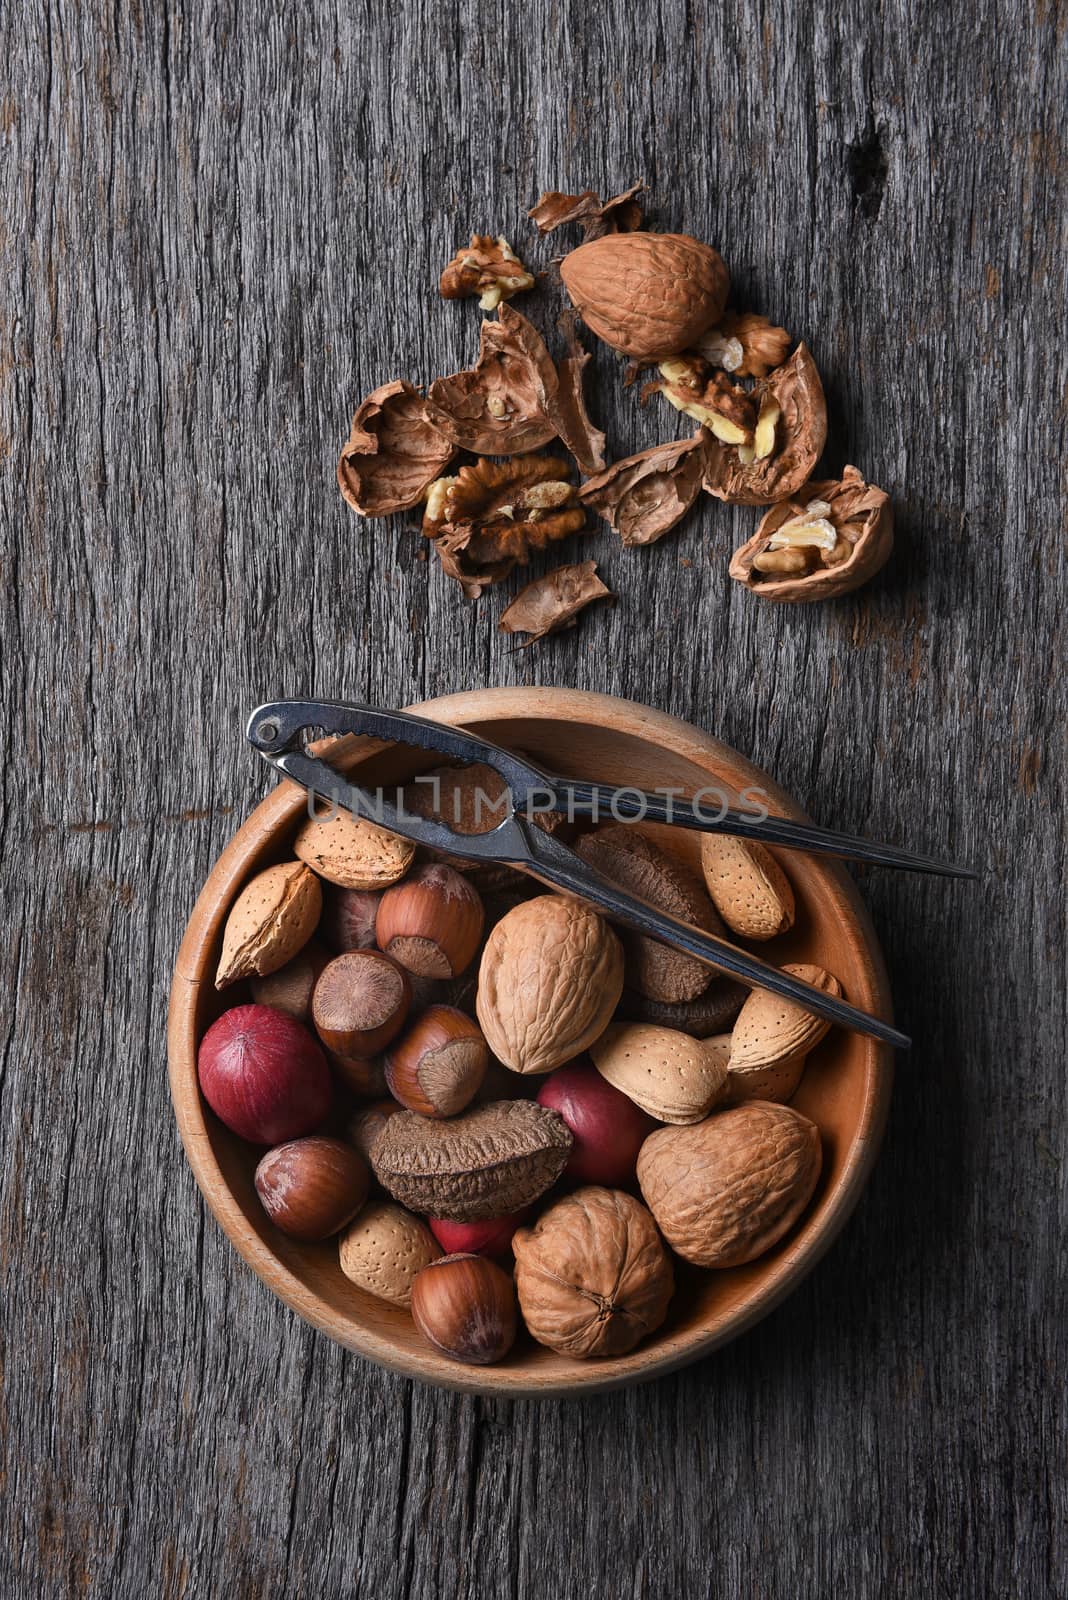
x,y
221,226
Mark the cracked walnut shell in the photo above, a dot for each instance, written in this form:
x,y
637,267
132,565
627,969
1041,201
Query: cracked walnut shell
x,y
645,495
490,516
500,405
834,542
592,1275
515,399
392,453
621,214
787,438
553,601
550,978
725,1190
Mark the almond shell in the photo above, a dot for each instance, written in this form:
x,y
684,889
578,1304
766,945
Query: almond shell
x,y
272,918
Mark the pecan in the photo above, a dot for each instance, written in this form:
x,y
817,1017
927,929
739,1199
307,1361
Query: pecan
x,y
621,214
490,516
553,601
790,432
821,546
648,493
392,453
708,397
746,344
490,268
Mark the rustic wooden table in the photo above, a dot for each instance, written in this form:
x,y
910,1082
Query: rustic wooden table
x,y
222,225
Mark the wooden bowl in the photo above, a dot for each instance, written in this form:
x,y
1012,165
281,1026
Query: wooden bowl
x,y
845,1089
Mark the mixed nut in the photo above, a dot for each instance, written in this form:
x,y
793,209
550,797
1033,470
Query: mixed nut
x,y
659,299
508,1113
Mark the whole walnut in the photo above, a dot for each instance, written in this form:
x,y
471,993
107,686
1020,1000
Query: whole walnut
x,y
550,979
725,1190
592,1275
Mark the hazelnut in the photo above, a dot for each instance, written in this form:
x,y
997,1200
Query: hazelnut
x,y
290,989
364,1075
360,1003
431,923
465,1306
310,1188
436,1068
348,919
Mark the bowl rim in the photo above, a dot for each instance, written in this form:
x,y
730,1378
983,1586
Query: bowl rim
x,y
671,1351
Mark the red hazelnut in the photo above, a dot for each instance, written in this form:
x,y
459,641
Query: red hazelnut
x,y
607,1128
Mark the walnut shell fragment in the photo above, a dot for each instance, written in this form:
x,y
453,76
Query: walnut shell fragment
x,y
500,406
833,542
515,399
645,495
787,441
567,408
490,516
488,267
592,1275
630,859
553,601
393,452
487,1162
621,214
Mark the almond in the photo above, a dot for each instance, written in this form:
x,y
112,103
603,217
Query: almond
x,y
726,1190
749,889
670,1075
772,1037
647,294
384,1249
271,919
353,852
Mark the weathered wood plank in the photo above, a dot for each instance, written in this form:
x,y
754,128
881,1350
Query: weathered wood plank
x,y
221,226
